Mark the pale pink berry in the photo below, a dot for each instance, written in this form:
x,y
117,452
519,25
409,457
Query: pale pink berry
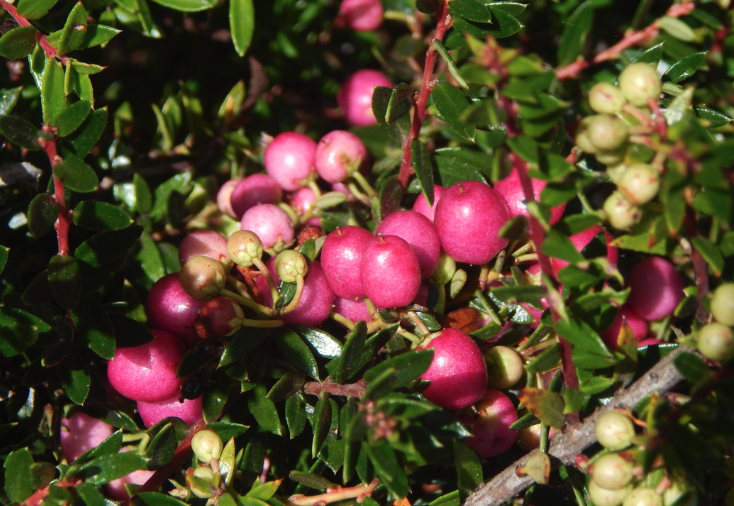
x,y
147,372
170,308
301,201
355,96
206,243
391,274
468,218
289,160
224,200
354,309
270,223
419,232
458,373
512,191
638,325
421,204
80,433
115,489
656,288
153,412
341,258
254,189
362,15
339,154
491,427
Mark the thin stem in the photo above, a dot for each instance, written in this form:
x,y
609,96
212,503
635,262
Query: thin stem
x,y
349,390
315,188
543,447
258,308
333,495
239,286
539,333
410,337
584,202
64,219
366,186
342,319
418,323
530,257
266,273
528,246
293,304
371,307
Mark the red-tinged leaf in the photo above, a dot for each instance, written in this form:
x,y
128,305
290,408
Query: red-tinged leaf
x,y
546,405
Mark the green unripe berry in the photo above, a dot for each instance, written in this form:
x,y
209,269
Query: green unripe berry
x,y
607,132
614,156
640,82
643,496
615,172
290,264
614,431
202,277
716,342
605,497
243,247
621,213
582,136
640,183
722,304
504,367
444,270
207,445
606,98
611,471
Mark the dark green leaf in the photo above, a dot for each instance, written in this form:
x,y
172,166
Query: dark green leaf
x,y
452,170
321,422
76,175
3,257
423,168
74,30
715,119
90,495
428,6
710,252
158,499
692,368
150,259
577,28
324,344
241,343
95,327
407,367
297,353
398,131
128,332
18,42
401,100
75,378
179,184
472,10
109,446
96,35
65,280
289,384
546,405
8,99
17,337
388,468
451,103
161,448
391,194
264,410
85,137
96,215
468,469
34,9
522,293
187,5
295,415
526,147
110,467
450,499
446,57
310,480
650,56
20,132
19,480
228,430
576,223
215,397
352,357
108,246
72,118
241,24
42,214
684,68
504,23
546,361
560,246
513,8
714,202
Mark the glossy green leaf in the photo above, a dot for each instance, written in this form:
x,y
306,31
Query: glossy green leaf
x,y
684,68
3,257
215,397
17,337
677,28
400,103
241,343
297,353
143,195
110,467
650,56
8,99
310,480
468,469
95,215
74,377
428,6
397,131
18,42
161,448
264,410
158,499
187,5
295,415
710,252
504,23
321,422
522,293
179,185
513,8
692,367
473,10
391,195
84,138
65,280
546,405
582,335
128,332
19,480
289,384
108,246
406,367
241,24
97,35
76,175
34,9
388,468
560,246
42,214
150,258
446,57
423,167
74,30
72,117
451,103
20,132
715,119
351,360
452,170
95,327
577,29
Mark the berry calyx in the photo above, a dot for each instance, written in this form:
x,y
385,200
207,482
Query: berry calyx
x,y
640,82
716,342
243,247
207,445
614,431
202,277
722,304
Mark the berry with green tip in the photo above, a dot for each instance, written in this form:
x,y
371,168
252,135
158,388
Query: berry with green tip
x,y
640,82
504,367
606,98
601,496
611,471
643,496
243,247
290,264
620,212
207,445
722,304
607,132
716,342
640,183
202,277
614,430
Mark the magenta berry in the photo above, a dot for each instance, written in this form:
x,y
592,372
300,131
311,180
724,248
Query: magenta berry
x,y
656,288
491,427
468,217
362,15
170,308
222,316
419,232
224,198
301,201
253,190
289,160
638,325
153,412
148,372
353,309
271,224
458,373
341,257
206,243
421,204
80,433
391,274
512,191
355,96
339,154
202,277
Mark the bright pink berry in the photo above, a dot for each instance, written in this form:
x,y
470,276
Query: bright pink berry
x,y
338,155
355,96
421,204
341,258
206,243
224,198
391,274
170,308
419,232
638,325
254,189
580,241
362,15
468,218
270,223
153,412
458,373
421,298
491,427
289,160
147,372
301,201
81,433
512,191
354,309
656,288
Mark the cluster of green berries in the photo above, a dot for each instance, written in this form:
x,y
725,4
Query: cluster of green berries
x,y
716,340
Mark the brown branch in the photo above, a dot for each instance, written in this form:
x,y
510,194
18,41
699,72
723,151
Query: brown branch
x,y
350,390
333,495
566,446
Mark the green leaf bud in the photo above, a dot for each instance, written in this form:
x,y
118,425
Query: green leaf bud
x,y
444,270
290,264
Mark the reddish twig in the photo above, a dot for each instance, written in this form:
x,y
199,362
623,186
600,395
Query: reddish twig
x,y
333,495
350,390
419,115
51,52
63,222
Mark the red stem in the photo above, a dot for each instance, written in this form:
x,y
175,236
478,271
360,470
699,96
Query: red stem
x,y
419,115
63,222
10,9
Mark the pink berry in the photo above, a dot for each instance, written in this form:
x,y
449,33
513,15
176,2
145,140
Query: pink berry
x,y
340,187
115,489
458,373
147,372
491,427
341,257
468,217
421,204
355,96
421,298
81,433
419,232
253,190
153,412
301,201
224,198
655,288
206,243
289,160
391,274
362,15
170,308
354,309
339,154
580,241
222,316
638,325
512,191
270,223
